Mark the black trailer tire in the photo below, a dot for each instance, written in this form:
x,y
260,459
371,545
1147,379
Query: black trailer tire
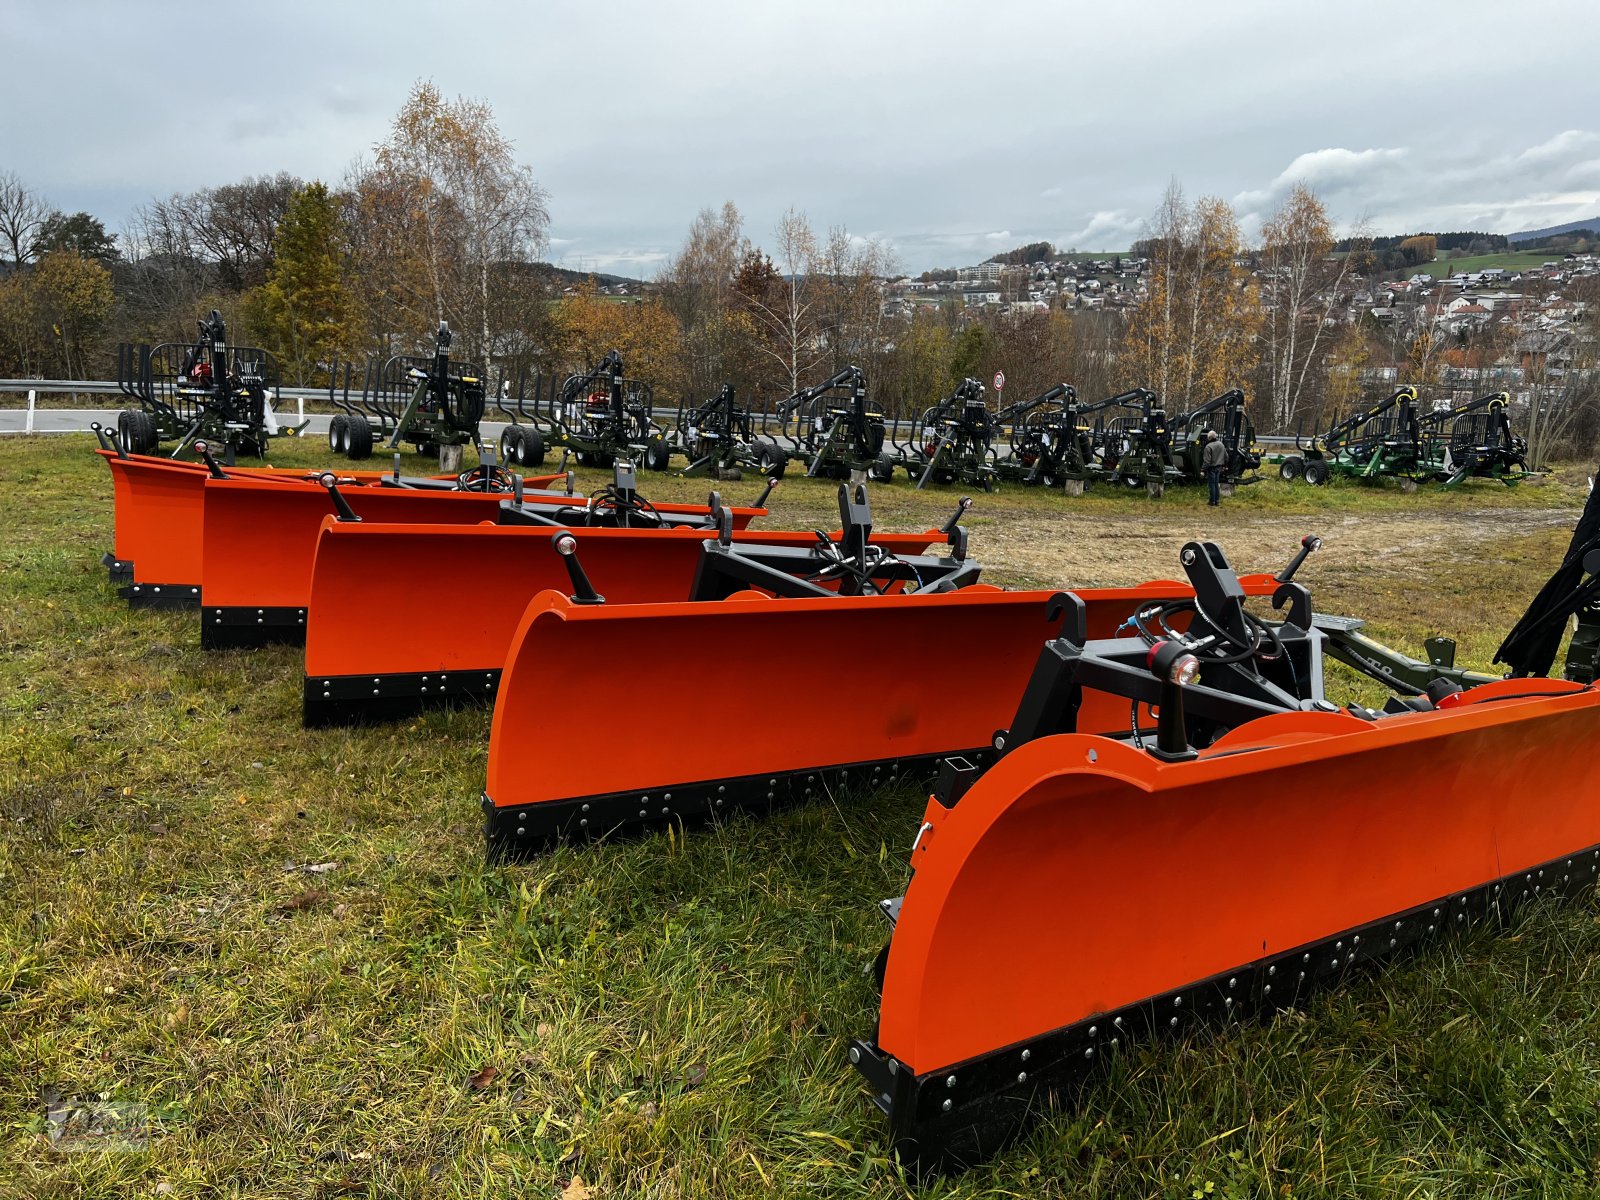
x,y
729,474
358,438
772,462
511,446
138,432
1317,472
532,448
1291,468
657,455
882,470
336,432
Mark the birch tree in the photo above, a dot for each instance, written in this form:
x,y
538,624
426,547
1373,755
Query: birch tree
x,y
1301,289
1193,333
474,206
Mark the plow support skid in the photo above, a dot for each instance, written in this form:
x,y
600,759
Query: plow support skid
x,y
260,540
828,716
1082,894
405,615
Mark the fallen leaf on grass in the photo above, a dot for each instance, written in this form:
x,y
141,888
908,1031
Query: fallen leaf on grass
x,y
577,1189
482,1079
303,901
321,868
695,1074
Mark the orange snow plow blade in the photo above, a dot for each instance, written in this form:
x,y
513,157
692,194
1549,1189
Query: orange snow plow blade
x,y
1252,841
259,541
1297,847
157,513
812,735
374,643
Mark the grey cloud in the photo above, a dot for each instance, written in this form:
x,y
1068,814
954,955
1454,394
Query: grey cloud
x,y
889,116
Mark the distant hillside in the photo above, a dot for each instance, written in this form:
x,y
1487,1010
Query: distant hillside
x,y
1529,235
566,275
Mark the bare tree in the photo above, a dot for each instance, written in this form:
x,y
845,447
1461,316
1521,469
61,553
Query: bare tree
x,y
22,216
786,309
699,288
479,207
1194,331
1302,285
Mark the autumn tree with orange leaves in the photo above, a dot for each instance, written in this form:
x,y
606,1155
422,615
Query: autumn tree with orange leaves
x,y
1192,335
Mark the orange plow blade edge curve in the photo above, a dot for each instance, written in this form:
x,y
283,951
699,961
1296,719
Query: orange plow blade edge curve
x,y
808,738
403,616
158,507
259,541
1082,894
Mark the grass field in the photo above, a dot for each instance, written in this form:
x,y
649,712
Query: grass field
x,y
289,946
1513,260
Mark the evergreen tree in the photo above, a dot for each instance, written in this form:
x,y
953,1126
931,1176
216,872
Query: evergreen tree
x,y
301,311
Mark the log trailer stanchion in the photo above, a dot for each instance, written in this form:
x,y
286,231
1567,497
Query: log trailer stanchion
x,y
602,416
211,391
1050,444
1475,441
718,440
1226,414
836,438
953,441
1383,441
433,403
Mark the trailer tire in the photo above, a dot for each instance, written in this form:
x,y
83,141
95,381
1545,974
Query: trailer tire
x,y
1291,468
772,462
1317,472
532,448
882,469
358,438
657,455
511,446
336,432
138,432
729,474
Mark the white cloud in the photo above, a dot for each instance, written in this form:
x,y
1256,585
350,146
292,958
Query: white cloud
x,y
1108,230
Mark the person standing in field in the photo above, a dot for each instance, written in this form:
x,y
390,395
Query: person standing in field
x,y
1214,459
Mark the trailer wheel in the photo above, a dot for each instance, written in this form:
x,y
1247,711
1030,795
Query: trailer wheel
x,y
336,433
882,470
657,455
358,438
1291,468
729,474
1317,472
511,446
1049,479
138,432
532,448
772,462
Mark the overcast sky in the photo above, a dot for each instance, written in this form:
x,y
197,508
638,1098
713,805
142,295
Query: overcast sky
x,y
949,130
